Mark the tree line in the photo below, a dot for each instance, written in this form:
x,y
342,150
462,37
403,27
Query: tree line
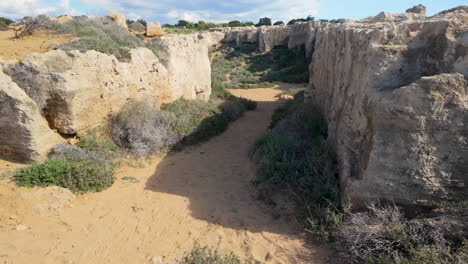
x,y
264,21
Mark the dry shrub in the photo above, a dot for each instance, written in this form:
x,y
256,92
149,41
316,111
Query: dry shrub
x,y
141,129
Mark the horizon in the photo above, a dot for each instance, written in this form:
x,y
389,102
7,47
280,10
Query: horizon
x,y
218,11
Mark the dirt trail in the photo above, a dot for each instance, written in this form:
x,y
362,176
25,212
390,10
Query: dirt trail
x,y
203,193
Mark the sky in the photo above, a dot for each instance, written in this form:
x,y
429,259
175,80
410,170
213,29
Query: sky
x,y
170,11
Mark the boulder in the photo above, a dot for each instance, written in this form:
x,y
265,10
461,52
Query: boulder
x,y
137,27
64,19
154,29
419,9
24,135
118,18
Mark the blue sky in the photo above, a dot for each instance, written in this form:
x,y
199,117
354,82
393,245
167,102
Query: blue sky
x,y
169,11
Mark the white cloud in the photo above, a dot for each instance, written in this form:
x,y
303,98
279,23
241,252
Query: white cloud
x,y
167,10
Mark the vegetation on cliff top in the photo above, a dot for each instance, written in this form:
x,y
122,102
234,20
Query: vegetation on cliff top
x,y
99,33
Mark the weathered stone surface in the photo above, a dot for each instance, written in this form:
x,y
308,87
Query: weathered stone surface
x,y
154,29
119,19
49,201
272,36
241,35
396,131
303,34
187,62
24,134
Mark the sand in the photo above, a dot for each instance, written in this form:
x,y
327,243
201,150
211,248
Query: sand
x,y
204,194
15,49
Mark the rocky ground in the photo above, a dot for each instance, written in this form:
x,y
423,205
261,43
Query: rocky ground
x,y
203,194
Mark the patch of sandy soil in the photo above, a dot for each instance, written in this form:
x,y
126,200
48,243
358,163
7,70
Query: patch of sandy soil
x,y
203,193
12,48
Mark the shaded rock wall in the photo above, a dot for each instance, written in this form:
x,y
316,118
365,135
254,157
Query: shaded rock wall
x,y
24,133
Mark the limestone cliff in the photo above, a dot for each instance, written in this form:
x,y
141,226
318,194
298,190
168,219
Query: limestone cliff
x,y
400,136
74,92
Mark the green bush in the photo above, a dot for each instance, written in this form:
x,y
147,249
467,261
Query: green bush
x,y
77,175
295,158
5,22
197,120
207,255
100,34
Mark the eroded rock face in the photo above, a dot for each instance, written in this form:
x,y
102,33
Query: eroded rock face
x,y
188,65
272,36
24,134
400,136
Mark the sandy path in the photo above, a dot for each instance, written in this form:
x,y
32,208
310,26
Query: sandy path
x,y
15,49
203,193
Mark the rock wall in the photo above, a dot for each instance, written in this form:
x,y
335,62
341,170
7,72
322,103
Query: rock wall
x,y
267,37
72,92
400,136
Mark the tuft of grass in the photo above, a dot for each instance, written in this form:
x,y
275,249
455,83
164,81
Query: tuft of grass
x,y
382,234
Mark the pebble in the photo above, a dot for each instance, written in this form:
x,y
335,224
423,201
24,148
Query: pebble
x,y
21,227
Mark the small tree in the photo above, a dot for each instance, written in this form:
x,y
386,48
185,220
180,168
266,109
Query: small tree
x,y
235,23
278,23
310,18
143,22
264,21
202,25
183,23
249,24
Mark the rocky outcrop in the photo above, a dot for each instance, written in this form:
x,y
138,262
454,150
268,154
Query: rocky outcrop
x,y
154,29
241,35
24,134
78,91
119,19
270,37
400,136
